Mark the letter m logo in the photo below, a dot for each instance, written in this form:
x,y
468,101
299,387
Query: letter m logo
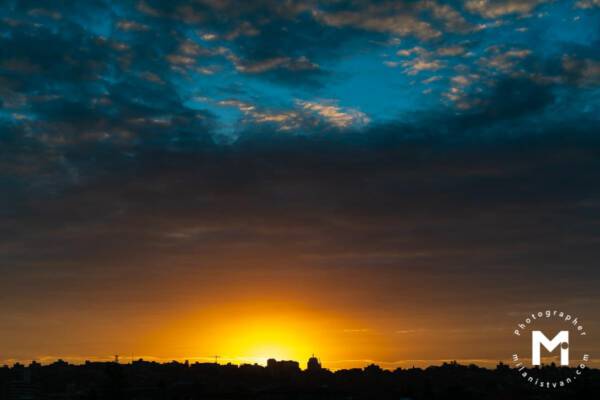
x,y
538,339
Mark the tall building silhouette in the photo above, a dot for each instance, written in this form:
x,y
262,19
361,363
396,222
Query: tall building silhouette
x,y
313,364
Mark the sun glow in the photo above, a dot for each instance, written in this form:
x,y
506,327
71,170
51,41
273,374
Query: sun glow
x,y
259,338
249,333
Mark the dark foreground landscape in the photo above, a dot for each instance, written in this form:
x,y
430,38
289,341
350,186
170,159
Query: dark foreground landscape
x,y
280,380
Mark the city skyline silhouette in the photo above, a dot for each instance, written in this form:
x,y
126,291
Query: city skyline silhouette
x,y
279,379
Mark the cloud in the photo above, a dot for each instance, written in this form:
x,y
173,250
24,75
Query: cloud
x,y
462,80
587,4
426,59
417,65
397,18
585,72
283,120
450,17
286,47
393,192
510,99
42,12
299,64
432,79
417,50
504,60
380,19
132,26
335,115
451,51
306,116
495,9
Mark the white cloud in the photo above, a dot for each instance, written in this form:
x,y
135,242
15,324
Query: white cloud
x,y
397,19
413,67
585,4
336,115
500,8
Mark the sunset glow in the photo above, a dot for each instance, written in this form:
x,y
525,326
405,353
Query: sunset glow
x,y
388,182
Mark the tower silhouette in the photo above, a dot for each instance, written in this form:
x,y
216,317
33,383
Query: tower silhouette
x,y
313,364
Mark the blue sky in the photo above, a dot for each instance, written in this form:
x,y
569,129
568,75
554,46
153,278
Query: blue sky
x,y
347,65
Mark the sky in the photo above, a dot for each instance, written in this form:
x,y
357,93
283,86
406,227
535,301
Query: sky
x,y
397,182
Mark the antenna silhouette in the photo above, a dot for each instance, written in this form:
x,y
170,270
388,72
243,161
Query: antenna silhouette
x,y
217,359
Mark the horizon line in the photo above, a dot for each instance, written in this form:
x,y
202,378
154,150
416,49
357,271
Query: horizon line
x,y
385,365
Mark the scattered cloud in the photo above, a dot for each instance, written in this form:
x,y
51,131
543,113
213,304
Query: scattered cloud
x,y
587,4
501,8
392,18
417,65
305,114
132,26
298,64
336,115
584,72
451,51
504,60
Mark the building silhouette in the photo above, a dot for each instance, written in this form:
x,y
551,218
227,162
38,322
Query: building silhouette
x,y
313,364
280,380
283,367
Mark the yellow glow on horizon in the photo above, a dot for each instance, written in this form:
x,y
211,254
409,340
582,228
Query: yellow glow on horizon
x,y
248,330
249,333
259,338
